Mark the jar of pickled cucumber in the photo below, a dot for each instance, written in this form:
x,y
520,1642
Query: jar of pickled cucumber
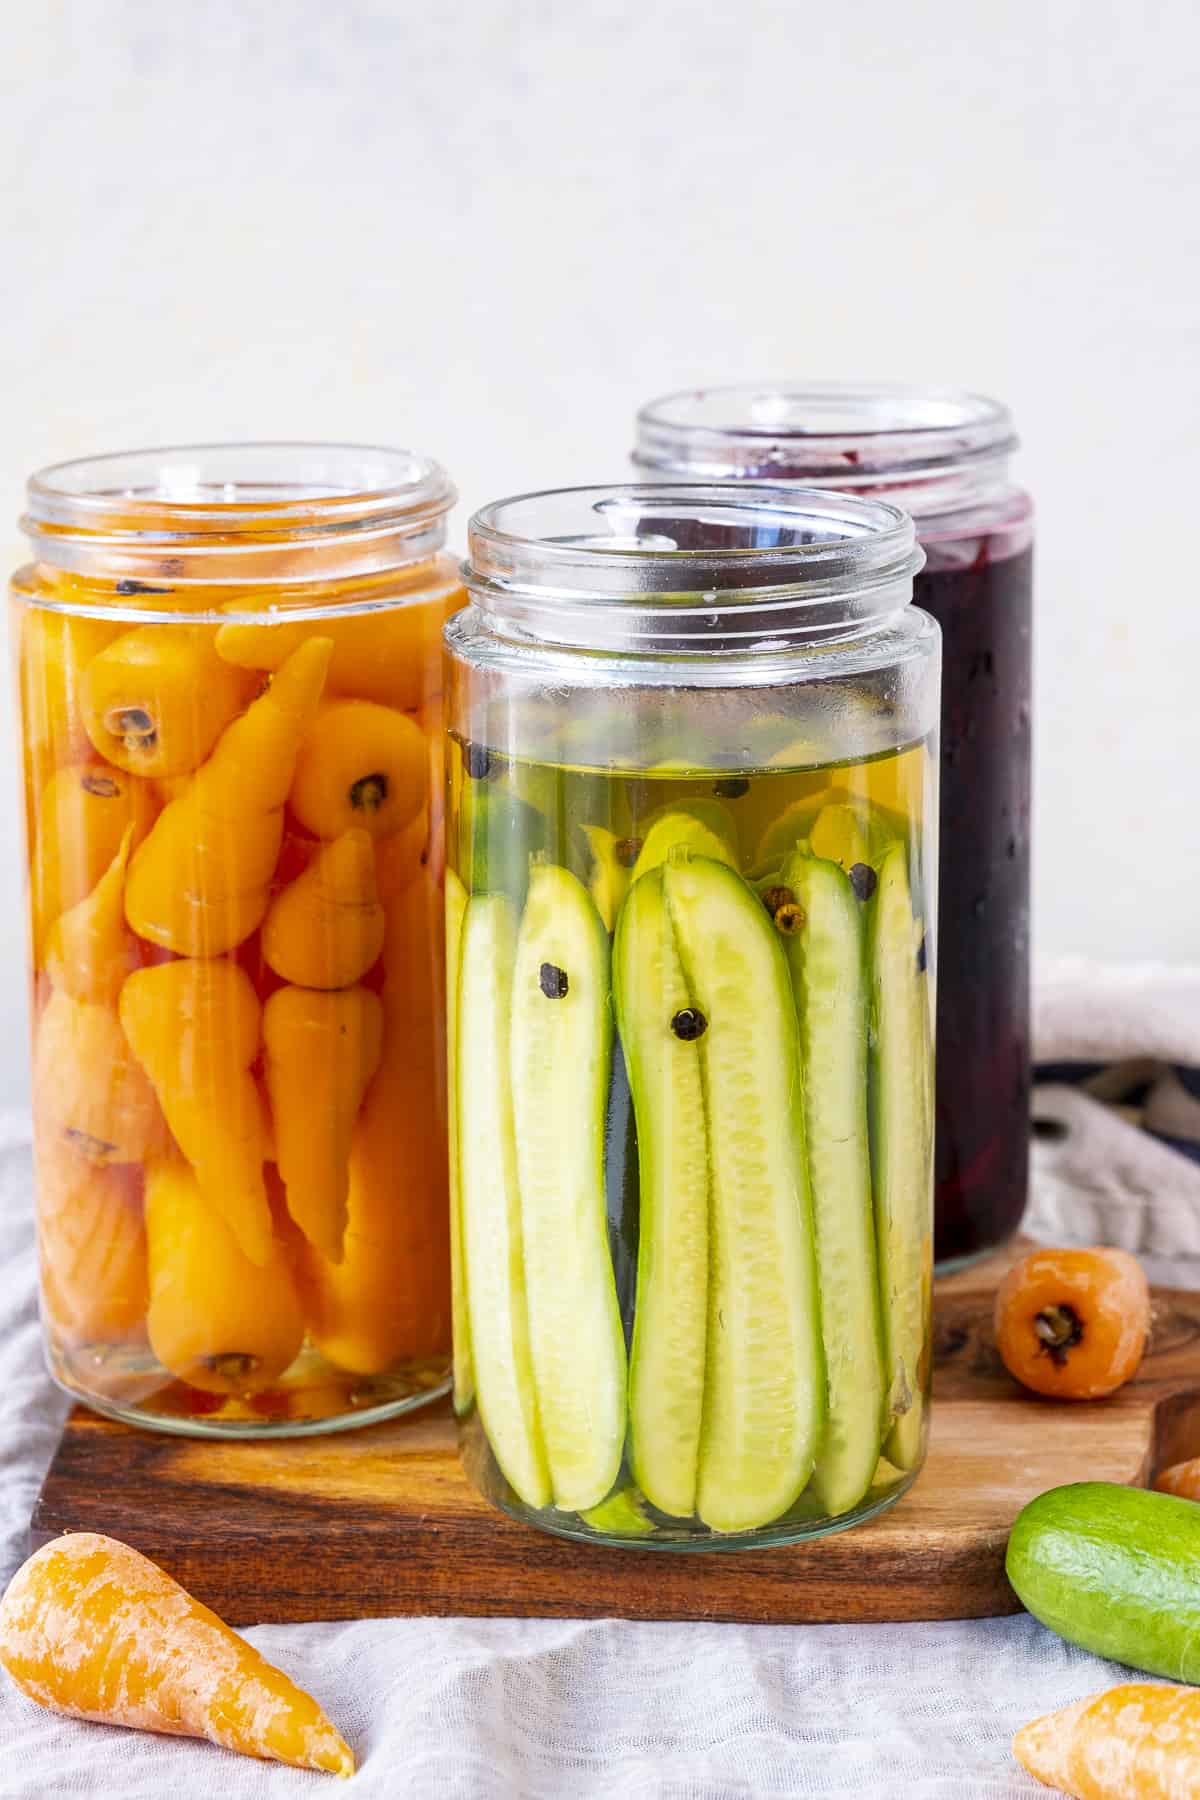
x,y
945,457
690,897
229,670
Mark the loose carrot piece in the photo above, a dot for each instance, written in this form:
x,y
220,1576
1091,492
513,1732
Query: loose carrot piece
x,y
391,656
82,815
1140,1741
389,1297
54,650
1073,1324
321,1051
91,1628
216,1320
156,700
200,883
194,1028
89,1089
1181,1478
325,929
360,765
93,1247
90,949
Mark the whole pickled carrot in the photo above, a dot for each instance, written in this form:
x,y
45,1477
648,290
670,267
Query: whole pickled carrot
x,y
389,1297
90,1628
200,884
1140,1741
321,1051
89,1088
92,1244
392,655
216,1320
53,651
156,699
360,766
326,928
89,948
1181,1478
81,817
194,1028
1073,1324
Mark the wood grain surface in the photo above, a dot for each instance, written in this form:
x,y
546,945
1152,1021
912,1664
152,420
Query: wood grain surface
x,y
382,1521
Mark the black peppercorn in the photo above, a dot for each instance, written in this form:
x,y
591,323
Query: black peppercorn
x,y
553,981
478,760
863,880
689,1024
733,788
922,957
129,586
627,850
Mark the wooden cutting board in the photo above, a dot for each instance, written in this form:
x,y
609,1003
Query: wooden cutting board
x,y
382,1521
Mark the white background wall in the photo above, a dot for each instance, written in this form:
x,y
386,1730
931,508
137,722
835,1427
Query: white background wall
x,y
489,230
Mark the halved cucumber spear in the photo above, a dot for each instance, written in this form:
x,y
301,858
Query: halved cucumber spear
x,y
727,1386
824,941
900,1141
491,1200
533,1050
561,1059
704,827
464,1378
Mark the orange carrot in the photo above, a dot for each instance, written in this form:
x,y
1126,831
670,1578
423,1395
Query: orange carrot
x,y
91,1628
1181,1478
1140,1741
1073,1323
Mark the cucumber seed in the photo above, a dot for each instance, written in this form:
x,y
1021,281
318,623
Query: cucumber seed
x,y
553,981
863,880
689,1024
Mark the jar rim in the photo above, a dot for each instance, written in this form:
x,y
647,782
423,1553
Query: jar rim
x,y
196,489
850,433
614,540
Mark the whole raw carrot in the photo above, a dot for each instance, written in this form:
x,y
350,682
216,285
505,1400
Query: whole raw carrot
x,y
1140,1741
91,1628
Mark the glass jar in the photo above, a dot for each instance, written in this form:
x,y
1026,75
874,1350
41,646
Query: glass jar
x,y
944,456
229,671
689,897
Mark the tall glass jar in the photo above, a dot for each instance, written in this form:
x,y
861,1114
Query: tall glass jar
x,y
229,670
690,889
944,456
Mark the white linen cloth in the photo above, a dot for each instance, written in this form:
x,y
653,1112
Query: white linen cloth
x,y
527,1709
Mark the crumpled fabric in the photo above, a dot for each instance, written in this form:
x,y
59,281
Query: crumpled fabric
x,y
530,1709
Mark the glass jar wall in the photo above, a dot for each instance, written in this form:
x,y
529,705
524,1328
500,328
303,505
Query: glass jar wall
x,y
692,772
944,457
229,672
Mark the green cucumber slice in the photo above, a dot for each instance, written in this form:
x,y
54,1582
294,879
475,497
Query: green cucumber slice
x,y
764,1401
666,1368
901,1040
464,1378
826,958
561,1060
491,1204
704,827
623,1515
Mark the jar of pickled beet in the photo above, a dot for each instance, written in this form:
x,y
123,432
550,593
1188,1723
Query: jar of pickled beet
x,y
692,778
229,671
944,456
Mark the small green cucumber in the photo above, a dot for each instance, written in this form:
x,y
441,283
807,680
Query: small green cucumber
x,y
1115,1570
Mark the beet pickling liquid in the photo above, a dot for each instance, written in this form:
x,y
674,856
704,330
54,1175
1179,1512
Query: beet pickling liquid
x,y
943,456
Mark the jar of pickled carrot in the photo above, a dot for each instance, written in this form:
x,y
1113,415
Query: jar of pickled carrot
x,y
690,899
229,673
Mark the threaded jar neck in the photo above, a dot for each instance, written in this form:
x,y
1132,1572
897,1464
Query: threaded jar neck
x,y
208,514
690,568
931,450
